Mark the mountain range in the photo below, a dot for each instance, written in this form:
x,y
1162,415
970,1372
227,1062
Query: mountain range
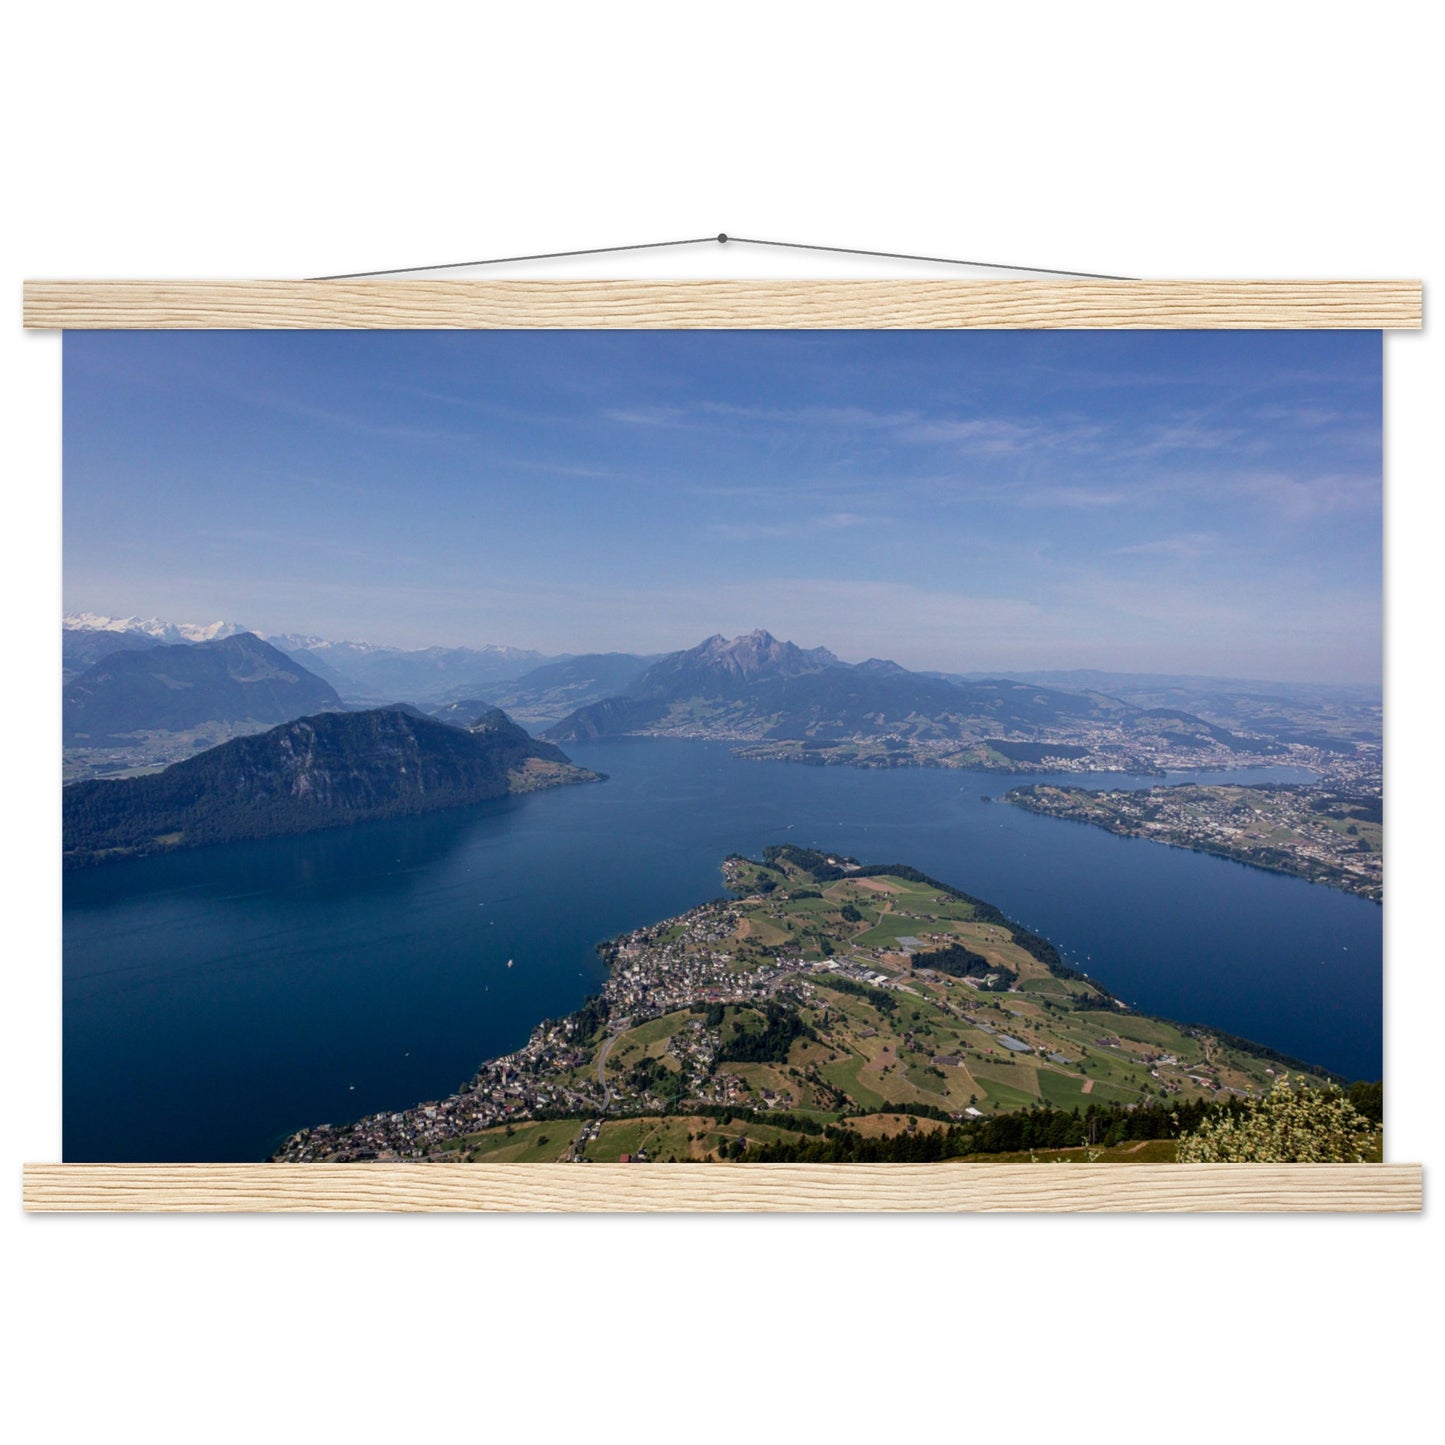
x,y
151,627
326,771
86,638
365,672
173,688
754,688
550,692
360,672
758,689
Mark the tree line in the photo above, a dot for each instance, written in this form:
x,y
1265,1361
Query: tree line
x,y
961,962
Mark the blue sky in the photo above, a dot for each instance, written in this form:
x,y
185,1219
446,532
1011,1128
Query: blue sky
x,y
1205,502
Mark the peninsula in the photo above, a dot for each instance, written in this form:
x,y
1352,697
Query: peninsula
x,y
824,1000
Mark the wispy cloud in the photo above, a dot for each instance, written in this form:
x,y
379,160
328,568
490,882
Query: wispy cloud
x,y
647,415
990,436
753,531
1084,498
1301,498
560,469
1276,414
853,418
1186,548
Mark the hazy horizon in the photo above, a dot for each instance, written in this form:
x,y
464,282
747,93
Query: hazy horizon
x,y
692,642
1150,502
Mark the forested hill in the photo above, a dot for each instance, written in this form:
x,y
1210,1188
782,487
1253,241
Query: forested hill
x,y
316,772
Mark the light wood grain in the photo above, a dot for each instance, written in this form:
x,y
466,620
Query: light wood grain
x,y
911,305
706,1188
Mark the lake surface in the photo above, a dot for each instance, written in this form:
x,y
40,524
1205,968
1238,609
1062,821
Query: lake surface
x,y
217,999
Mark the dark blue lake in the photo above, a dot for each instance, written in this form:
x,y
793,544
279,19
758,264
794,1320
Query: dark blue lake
x,y
217,999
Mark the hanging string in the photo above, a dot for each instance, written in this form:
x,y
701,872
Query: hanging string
x,y
936,260
502,260
723,239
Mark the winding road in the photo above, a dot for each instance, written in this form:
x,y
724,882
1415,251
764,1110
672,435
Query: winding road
x,y
619,1029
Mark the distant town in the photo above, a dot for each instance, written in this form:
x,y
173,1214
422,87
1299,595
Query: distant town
x,y
1320,833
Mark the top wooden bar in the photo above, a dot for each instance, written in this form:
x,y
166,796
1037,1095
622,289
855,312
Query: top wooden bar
x,y
742,305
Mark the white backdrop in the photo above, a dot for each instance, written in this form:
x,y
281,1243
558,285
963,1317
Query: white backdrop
x,y
156,140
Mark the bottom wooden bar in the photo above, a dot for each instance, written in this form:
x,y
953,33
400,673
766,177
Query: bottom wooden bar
x,y
709,1188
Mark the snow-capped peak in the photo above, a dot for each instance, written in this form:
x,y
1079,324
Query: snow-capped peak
x,y
293,641
151,627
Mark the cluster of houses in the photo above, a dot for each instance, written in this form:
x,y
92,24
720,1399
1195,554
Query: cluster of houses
x,y
654,971
540,1078
673,965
